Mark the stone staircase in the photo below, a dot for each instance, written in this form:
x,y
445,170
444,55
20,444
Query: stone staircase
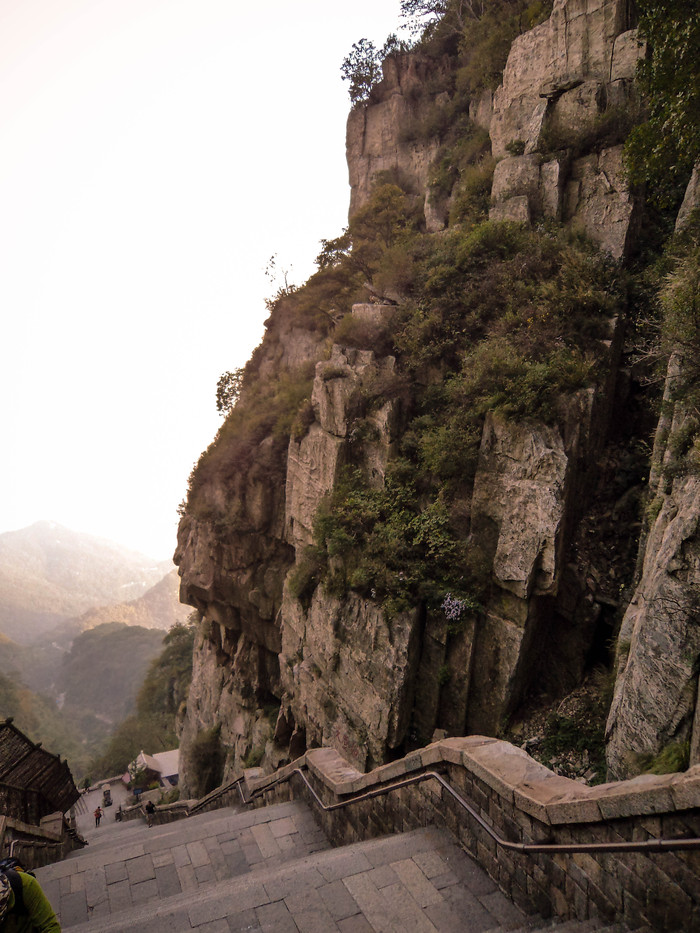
x,y
272,870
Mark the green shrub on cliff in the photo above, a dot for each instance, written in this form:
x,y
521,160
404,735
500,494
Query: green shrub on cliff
x,y
497,318
277,408
391,544
662,151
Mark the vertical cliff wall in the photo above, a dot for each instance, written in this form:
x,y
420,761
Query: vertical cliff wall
x,y
287,661
655,709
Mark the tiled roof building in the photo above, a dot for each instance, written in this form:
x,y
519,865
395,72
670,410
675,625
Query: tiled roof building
x,y
33,782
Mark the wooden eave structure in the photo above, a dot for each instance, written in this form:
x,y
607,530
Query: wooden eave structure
x,y
25,765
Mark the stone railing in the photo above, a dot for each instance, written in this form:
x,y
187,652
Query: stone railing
x,y
169,812
227,795
525,803
35,846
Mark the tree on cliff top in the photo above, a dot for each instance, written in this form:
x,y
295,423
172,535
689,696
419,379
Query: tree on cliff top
x,y
456,17
420,14
479,31
363,66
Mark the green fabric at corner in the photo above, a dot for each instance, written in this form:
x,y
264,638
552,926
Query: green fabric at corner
x,y
39,916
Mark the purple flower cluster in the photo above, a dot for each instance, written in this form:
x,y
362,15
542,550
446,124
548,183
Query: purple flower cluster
x,y
453,607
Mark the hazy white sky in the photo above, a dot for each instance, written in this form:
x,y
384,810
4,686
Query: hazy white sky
x,y
154,154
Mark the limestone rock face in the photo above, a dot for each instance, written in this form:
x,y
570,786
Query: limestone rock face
x,y
314,461
691,201
312,468
559,81
520,490
379,137
348,674
578,44
231,678
598,201
659,642
521,496
280,667
655,703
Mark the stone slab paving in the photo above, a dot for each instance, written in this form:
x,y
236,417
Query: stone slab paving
x,y
272,871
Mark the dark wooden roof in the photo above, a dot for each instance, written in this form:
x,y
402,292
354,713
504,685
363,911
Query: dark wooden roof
x,y
29,767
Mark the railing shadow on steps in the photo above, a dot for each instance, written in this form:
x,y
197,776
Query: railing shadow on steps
x,y
627,851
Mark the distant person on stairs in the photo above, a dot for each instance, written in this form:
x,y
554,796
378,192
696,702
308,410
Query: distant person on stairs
x,y
150,810
24,908
98,816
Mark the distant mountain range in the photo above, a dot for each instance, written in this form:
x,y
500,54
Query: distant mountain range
x,y
159,607
81,618
50,574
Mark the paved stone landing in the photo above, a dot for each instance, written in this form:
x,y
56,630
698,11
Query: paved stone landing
x,y
129,865
272,871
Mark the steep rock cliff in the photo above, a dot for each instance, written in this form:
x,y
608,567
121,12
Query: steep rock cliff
x,y
286,661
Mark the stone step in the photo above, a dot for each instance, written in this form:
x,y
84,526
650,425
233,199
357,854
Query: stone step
x,y
145,864
419,881
113,835
536,925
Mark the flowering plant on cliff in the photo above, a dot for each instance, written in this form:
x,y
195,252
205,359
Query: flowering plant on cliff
x,y
456,610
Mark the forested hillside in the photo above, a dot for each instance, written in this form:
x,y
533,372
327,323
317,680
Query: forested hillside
x,y
49,574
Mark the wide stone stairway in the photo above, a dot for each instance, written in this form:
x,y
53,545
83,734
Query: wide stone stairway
x,y
272,870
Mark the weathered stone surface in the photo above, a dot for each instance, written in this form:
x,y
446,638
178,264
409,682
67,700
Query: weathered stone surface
x,y
216,698
516,175
497,651
519,490
373,313
481,109
599,202
576,110
691,201
335,382
648,793
628,49
374,133
685,790
347,674
656,686
559,78
504,767
576,44
314,461
523,185
312,468
515,209
551,190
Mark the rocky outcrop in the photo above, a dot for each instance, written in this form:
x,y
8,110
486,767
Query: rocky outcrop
x,y
313,462
231,694
560,73
385,136
563,80
655,705
589,194
348,674
659,642
528,493
346,671
691,201
285,663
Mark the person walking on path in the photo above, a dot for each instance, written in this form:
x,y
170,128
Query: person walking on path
x,y
150,810
98,816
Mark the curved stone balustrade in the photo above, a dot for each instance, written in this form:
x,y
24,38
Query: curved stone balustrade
x,y
525,802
